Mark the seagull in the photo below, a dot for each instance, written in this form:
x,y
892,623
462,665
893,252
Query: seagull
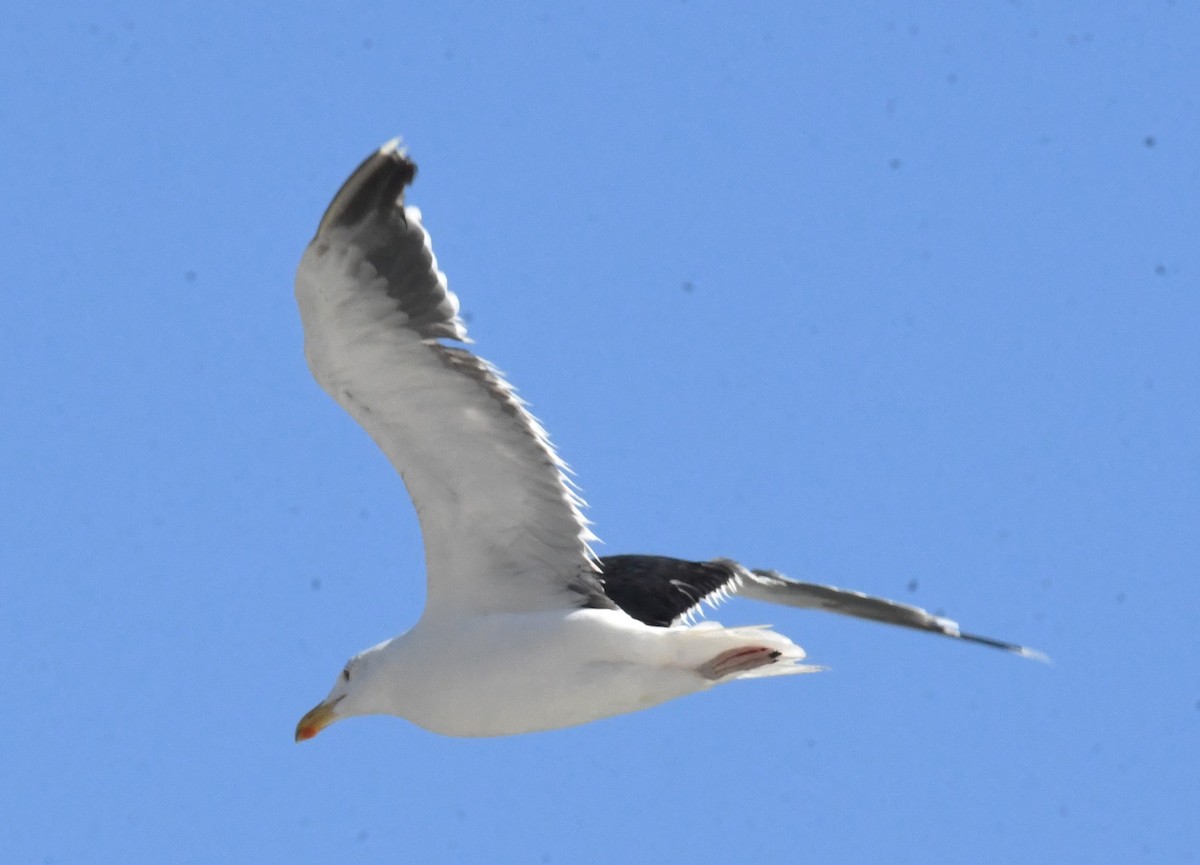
x,y
525,628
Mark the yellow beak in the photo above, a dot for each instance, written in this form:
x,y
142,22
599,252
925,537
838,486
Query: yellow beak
x,y
317,720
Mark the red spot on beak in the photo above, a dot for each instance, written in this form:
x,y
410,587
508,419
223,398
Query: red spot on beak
x,y
317,720
305,733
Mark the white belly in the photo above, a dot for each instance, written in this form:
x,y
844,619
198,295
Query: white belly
x,y
502,674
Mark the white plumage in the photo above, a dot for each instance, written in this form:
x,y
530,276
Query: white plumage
x,y
524,628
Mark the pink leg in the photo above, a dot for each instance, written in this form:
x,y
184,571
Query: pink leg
x,y
737,661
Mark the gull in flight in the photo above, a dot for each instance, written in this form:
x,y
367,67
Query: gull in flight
x,y
524,627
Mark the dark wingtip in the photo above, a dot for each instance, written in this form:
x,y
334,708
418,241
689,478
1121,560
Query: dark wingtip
x,y
1023,651
376,185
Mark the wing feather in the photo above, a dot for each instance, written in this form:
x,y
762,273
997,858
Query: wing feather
x,y
662,591
502,527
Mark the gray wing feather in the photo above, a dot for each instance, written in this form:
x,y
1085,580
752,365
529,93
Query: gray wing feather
x,y
368,207
663,591
502,526
774,588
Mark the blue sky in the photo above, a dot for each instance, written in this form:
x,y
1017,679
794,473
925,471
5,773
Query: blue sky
x,y
902,297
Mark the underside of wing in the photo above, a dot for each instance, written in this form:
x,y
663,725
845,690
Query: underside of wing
x,y
503,529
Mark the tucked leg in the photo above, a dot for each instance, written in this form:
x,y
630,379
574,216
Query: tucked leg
x,y
737,660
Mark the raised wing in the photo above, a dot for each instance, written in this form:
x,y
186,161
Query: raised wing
x,y
502,527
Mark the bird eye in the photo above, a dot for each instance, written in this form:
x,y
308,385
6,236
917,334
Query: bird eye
x,y
346,674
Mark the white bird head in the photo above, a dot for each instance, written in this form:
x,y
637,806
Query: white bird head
x,y
351,695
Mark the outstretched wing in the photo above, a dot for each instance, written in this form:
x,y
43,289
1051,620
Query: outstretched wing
x,y
774,588
659,590
502,527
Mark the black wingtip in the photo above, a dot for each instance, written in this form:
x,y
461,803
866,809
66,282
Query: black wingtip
x,y
1023,651
376,185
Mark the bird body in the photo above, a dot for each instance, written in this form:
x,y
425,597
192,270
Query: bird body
x,y
505,673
